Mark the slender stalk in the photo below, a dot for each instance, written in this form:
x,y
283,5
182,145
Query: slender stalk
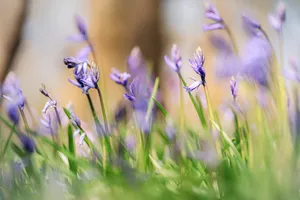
x,y
30,112
8,141
193,101
97,122
24,119
234,43
182,114
103,109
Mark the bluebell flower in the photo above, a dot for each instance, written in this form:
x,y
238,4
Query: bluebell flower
x,y
120,78
197,64
278,18
193,86
293,73
175,61
251,26
12,111
81,37
12,91
233,88
136,63
212,13
28,143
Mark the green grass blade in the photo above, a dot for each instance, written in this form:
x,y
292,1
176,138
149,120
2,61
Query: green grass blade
x,y
72,149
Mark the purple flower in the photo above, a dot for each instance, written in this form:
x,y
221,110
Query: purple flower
x,y
193,86
251,26
212,13
12,111
81,25
77,64
294,72
86,76
28,143
84,53
75,119
12,92
136,63
256,60
130,142
278,18
170,130
233,88
120,78
49,104
175,62
197,64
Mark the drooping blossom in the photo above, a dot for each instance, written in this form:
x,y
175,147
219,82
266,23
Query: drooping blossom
x,y
197,64
12,91
251,26
28,143
293,73
193,86
12,112
233,88
86,77
49,104
82,36
278,18
175,60
136,63
255,60
120,78
212,13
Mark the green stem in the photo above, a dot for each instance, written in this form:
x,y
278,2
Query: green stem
x,y
194,102
8,141
97,122
103,109
232,40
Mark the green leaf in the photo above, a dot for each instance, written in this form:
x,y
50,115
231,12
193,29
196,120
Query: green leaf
x,y
72,149
160,107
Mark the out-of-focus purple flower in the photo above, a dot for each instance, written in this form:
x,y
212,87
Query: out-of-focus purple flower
x,y
251,26
197,64
12,91
212,13
293,73
84,53
12,111
170,130
75,119
138,93
130,142
81,25
49,124
136,63
175,62
278,18
234,88
193,86
28,143
256,60
120,78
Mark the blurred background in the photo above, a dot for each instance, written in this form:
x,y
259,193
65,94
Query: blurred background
x,y
33,42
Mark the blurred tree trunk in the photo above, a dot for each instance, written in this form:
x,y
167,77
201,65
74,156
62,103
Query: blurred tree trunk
x,y
116,27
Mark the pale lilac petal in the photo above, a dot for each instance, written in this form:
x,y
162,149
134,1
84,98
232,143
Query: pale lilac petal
x,y
75,83
193,86
76,38
211,27
170,63
84,53
81,25
275,22
213,16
